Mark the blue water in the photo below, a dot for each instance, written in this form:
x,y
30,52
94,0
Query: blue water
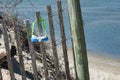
x,y
102,26
101,22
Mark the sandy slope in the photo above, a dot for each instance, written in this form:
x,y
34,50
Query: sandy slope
x,y
101,68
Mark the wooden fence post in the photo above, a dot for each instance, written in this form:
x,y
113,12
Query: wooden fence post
x,y
42,47
52,34
76,76
9,59
78,39
32,52
59,6
1,78
20,54
38,21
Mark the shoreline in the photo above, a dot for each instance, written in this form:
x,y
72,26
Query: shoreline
x,y
93,57
103,68
100,67
113,56
104,63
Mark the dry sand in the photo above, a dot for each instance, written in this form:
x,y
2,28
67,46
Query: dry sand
x,y
103,68
100,68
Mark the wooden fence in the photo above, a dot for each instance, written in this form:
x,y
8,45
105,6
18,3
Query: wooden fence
x,y
42,48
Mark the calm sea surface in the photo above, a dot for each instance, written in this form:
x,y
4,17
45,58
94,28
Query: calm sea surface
x,y
101,22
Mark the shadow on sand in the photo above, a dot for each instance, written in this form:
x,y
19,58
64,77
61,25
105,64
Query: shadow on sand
x,y
16,66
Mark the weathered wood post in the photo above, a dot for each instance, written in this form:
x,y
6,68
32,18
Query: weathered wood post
x,y
78,39
74,57
32,52
9,59
20,54
1,78
52,34
64,46
38,21
42,47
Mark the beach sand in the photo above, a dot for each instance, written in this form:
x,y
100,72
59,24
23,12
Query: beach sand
x,y
100,67
103,68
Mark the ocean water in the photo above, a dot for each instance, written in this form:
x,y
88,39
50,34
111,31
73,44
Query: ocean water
x,y
102,26
101,22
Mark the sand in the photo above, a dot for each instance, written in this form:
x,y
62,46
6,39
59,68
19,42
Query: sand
x,y
103,68
100,67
